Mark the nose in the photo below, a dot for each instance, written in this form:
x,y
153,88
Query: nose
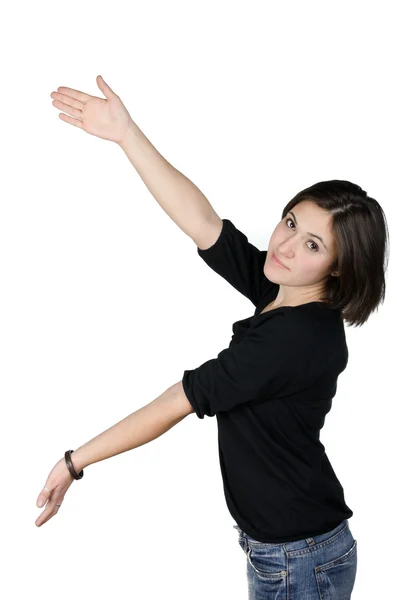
x,y
286,253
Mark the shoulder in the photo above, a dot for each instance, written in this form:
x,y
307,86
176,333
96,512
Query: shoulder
x,y
306,330
281,330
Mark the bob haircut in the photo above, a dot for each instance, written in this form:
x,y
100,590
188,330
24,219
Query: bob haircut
x,y
362,247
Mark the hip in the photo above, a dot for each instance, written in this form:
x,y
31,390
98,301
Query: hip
x,y
323,566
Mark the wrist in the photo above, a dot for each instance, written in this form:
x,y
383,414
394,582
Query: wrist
x,y
130,135
79,461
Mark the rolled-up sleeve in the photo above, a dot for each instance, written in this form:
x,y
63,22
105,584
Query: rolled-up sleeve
x,y
238,261
258,368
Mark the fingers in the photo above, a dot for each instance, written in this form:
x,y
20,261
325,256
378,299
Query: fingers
x,y
52,497
67,104
56,485
50,510
75,122
81,96
68,100
43,496
68,109
104,87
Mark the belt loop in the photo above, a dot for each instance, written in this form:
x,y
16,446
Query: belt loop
x,y
310,541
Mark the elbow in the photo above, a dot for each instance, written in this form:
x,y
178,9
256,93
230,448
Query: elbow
x,y
181,405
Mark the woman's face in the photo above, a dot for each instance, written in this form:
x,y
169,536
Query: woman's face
x,y
307,259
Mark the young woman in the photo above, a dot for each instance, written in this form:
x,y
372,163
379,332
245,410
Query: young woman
x,y
272,387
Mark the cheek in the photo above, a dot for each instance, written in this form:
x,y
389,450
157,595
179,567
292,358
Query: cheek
x,y
277,238
312,267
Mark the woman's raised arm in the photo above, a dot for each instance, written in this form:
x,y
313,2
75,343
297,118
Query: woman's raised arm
x,y
109,119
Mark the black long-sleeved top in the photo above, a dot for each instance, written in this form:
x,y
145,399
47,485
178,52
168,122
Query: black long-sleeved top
x,y
270,391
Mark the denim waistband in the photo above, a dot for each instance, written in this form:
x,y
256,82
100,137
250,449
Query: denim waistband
x,y
338,531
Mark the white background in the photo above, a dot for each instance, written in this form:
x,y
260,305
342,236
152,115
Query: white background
x,y
105,301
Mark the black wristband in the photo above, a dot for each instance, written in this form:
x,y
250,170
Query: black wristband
x,y
70,466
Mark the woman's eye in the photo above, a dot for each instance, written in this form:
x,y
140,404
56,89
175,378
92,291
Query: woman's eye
x,y
315,246
290,221
315,249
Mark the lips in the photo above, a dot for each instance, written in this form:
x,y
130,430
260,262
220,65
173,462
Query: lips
x,y
277,261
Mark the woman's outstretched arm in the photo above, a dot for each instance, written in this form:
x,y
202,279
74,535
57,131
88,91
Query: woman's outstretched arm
x,y
142,426
139,428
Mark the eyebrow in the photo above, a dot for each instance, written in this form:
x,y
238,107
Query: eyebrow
x,y
312,234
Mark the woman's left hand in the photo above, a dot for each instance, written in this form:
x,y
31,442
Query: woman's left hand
x,y
58,482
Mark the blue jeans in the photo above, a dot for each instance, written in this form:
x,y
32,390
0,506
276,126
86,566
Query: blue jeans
x,y
319,568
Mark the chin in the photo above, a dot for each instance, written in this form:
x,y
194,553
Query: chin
x,y
271,276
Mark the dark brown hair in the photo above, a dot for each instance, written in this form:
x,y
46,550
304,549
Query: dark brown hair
x,y
362,246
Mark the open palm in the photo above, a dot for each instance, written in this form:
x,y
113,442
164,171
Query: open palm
x,y
106,118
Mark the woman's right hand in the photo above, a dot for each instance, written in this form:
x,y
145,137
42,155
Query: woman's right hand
x,y
106,118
